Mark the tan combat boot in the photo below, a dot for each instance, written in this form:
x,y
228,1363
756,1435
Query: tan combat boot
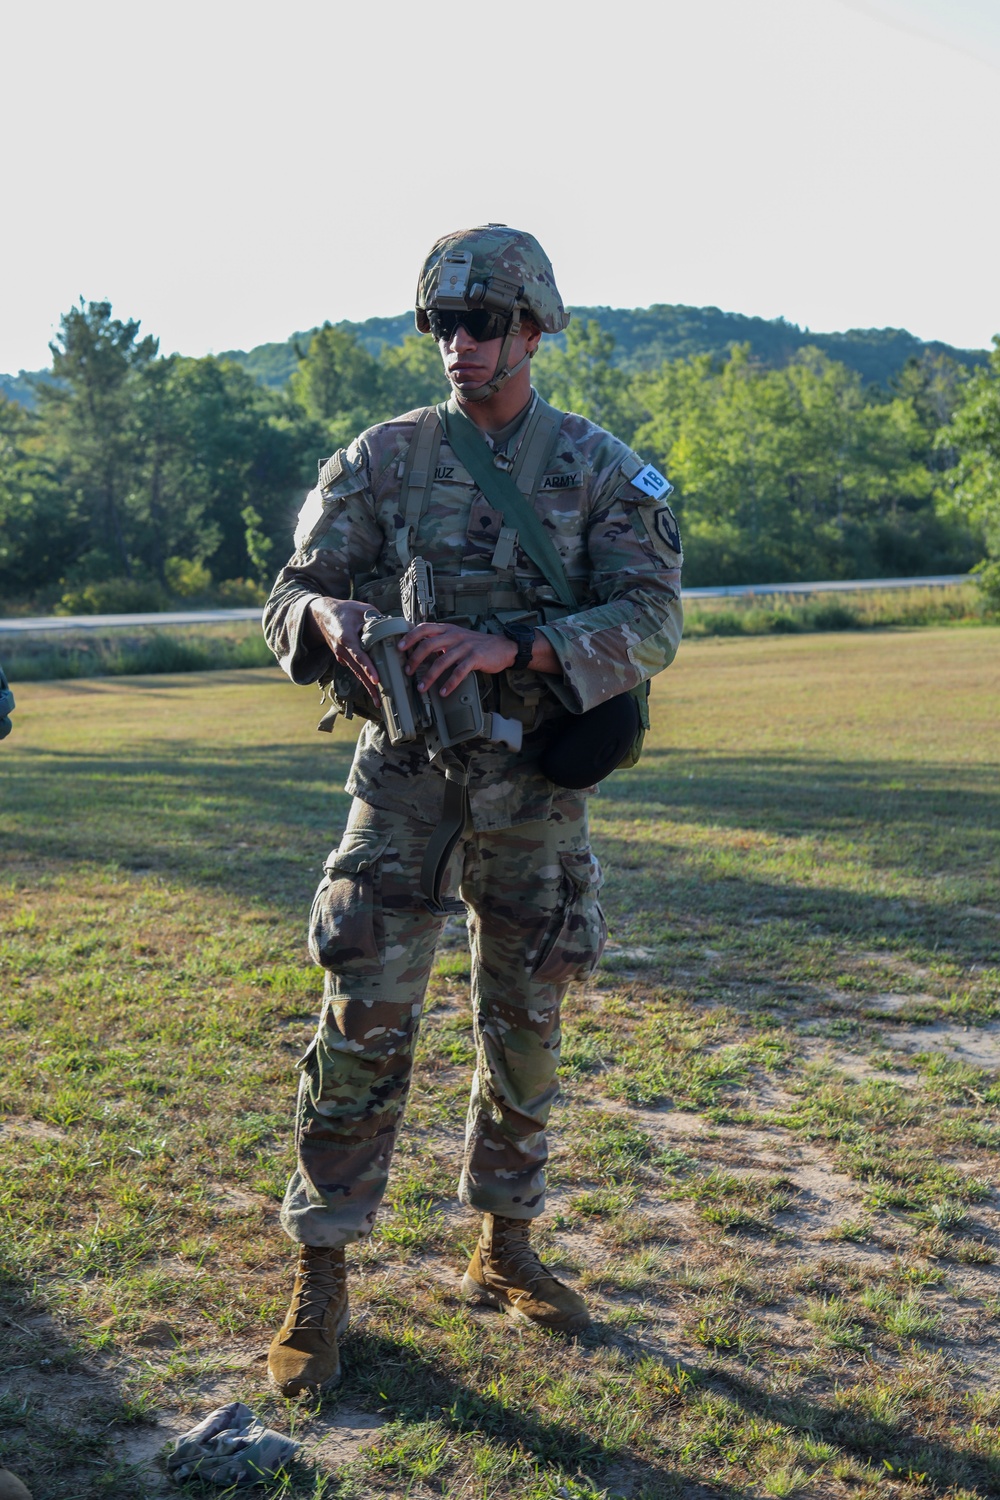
x,y
505,1272
303,1358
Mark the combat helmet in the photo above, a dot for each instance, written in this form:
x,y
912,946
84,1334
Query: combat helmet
x,y
491,268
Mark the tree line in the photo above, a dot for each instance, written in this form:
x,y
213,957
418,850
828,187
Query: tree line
x,y
138,478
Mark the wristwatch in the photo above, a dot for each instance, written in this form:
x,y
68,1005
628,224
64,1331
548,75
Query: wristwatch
x,y
523,636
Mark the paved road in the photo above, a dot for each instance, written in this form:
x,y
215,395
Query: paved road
x,y
837,586
106,622
225,616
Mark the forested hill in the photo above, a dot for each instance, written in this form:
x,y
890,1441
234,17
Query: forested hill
x,y
646,336
139,479
18,387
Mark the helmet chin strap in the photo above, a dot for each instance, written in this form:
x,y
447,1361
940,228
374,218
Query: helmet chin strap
x,y
502,373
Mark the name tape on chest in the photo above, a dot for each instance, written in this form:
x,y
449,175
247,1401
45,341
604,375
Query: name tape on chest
x,y
570,481
449,473
651,482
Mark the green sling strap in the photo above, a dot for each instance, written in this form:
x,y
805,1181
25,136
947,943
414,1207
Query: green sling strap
x,y
511,494
500,489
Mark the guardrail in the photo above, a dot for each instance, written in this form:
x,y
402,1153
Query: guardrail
x,y
224,616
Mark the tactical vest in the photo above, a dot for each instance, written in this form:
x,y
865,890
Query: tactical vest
x,y
474,599
484,599
472,596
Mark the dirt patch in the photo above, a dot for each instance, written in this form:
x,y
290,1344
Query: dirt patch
x,y
143,1448
31,1129
977,1045
338,1437
233,1200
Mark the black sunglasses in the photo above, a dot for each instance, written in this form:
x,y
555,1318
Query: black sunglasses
x,y
480,325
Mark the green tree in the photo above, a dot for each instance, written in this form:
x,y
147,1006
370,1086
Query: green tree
x,y
233,444
581,377
410,375
337,383
258,547
974,434
793,473
86,411
38,516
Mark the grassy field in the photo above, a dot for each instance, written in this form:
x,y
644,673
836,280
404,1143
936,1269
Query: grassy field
x,y
775,1158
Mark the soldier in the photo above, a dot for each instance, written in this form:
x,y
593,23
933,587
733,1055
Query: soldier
x,y
557,624
6,706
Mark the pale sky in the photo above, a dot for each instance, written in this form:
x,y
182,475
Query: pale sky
x,y
229,173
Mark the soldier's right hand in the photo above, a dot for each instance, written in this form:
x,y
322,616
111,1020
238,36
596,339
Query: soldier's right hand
x,y
340,622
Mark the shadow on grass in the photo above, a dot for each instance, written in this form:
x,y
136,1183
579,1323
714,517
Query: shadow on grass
x,y
254,821
410,1387
257,822
59,1418
416,1389
893,1446
782,793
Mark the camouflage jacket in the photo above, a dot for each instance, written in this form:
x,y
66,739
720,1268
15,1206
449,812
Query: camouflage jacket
x,y
621,551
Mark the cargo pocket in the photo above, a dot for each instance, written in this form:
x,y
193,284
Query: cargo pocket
x,y
346,931
580,928
308,1077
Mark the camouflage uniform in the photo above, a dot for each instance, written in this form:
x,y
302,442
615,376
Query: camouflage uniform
x,y
6,706
524,866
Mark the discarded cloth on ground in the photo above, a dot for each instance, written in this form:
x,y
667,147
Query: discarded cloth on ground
x,y
231,1446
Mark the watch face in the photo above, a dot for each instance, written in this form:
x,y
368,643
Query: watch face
x,y
518,631
523,636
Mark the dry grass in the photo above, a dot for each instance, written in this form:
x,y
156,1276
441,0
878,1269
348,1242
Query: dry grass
x,y
843,609
775,1155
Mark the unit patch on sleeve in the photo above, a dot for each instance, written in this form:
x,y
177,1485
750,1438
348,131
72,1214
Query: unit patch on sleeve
x,y
666,527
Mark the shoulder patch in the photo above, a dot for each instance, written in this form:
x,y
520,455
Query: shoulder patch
x,y
651,482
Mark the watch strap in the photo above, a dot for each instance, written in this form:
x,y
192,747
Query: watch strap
x,y
523,636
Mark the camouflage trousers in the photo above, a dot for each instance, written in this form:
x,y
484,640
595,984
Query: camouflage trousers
x,y
535,924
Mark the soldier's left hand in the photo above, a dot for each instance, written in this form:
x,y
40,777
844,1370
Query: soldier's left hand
x,y
439,649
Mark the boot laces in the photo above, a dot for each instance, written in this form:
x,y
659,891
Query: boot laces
x,y
320,1281
514,1249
